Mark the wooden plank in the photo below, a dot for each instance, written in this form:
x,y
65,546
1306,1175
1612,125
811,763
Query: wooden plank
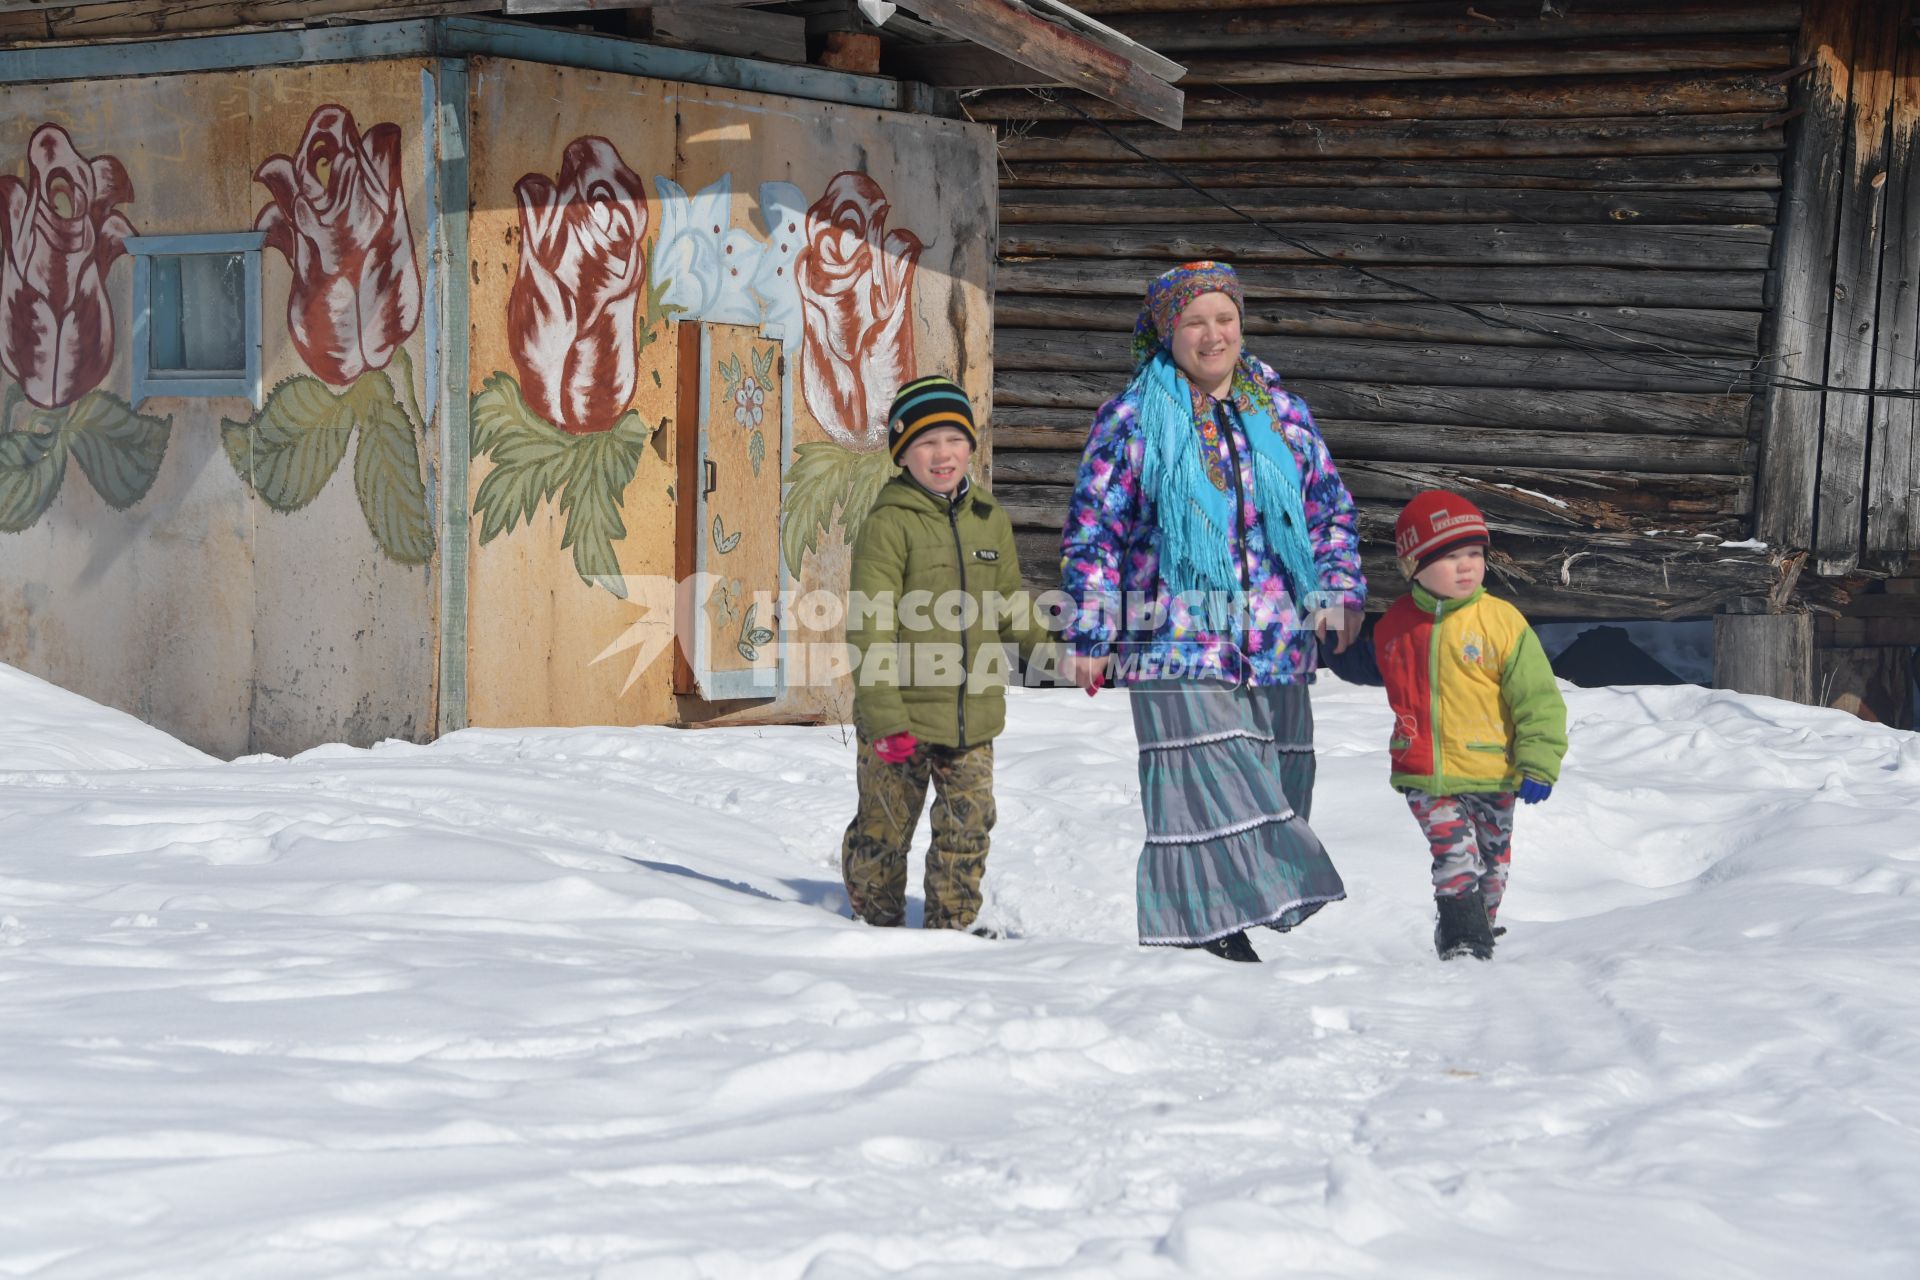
x,y
1671,93
1402,139
1682,248
1767,654
1741,171
1460,62
1809,211
1576,285
1484,22
1108,8
1065,56
1452,364
1389,204
161,17
1017,395
1893,526
1839,509
744,33
1400,442
1727,333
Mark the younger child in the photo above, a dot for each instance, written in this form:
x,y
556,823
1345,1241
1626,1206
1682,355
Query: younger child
x,y
1478,716
935,593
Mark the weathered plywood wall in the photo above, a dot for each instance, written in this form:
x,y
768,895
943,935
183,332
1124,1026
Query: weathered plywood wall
x,y
144,566
607,210
1580,197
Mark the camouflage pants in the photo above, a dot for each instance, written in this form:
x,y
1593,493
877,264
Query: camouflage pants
x,y
873,857
1471,837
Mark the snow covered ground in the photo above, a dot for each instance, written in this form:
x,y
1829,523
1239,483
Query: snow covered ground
x,y
582,1003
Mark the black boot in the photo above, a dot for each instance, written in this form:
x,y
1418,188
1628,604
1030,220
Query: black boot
x,y
1463,927
1232,947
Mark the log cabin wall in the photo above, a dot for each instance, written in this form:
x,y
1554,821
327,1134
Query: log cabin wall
x,y
1598,179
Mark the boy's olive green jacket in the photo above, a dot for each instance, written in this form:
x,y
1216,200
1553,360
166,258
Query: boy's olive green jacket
x,y
921,565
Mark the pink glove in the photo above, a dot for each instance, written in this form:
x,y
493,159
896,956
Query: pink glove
x,y
896,748
1096,681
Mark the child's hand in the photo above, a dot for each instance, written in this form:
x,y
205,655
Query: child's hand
x,y
1533,791
896,748
1089,673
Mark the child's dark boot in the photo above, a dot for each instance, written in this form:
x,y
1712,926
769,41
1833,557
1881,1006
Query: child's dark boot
x,y
1463,927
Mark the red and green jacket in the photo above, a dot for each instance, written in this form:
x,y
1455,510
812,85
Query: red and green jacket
x,y
1473,697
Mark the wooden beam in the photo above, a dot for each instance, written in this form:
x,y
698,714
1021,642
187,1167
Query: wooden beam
x,y
1853,332
1893,523
1723,333
162,17
1452,364
1396,139
1770,654
1790,426
1458,62
1483,23
1671,93
1066,57
1390,204
1685,248
1743,171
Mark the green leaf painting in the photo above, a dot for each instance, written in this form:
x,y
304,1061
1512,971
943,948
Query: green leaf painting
x,y
535,462
751,636
723,541
827,477
757,450
118,450
290,450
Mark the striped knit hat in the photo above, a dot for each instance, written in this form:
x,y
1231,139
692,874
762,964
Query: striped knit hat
x,y
923,404
1432,525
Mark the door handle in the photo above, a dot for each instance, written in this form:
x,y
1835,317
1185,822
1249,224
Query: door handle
x,y
713,478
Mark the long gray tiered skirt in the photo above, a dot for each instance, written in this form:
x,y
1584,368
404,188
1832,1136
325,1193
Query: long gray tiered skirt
x,y
1226,779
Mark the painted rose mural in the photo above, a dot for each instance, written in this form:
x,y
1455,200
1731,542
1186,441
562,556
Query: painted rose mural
x,y
829,277
61,230
564,430
855,284
337,213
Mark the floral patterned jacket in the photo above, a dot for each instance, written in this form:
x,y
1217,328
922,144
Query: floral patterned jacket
x,y
1110,563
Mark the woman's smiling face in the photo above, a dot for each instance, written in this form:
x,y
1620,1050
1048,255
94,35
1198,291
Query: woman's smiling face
x,y
1206,342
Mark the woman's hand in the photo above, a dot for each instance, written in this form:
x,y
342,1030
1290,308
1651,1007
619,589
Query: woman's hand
x,y
1344,623
1089,673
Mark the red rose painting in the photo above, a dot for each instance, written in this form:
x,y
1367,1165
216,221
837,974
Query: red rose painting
x,y
856,297
59,231
339,214
570,320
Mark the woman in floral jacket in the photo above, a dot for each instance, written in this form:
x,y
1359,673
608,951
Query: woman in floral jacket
x,y
1209,540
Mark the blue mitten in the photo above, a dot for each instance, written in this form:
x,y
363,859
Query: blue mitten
x,y
1533,791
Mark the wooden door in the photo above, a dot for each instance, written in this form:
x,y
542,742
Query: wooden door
x,y
735,427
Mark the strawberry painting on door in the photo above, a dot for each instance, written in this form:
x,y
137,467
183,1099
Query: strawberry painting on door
x,y
60,232
564,430
338,214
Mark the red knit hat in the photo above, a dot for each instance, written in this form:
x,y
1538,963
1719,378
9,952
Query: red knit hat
x,y
1433,524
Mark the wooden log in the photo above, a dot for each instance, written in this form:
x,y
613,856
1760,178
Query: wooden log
x,y
1547,450
1726,333
1574,285
1446,364
1744,171
1770,654
1683,248
1629,56
1672,413
1181,205
1401,139
1893,471
1853,331
1809,212
1063,55
1670,93
1484,22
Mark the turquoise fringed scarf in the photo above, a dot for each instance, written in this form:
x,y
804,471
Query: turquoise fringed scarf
x,y
1193,496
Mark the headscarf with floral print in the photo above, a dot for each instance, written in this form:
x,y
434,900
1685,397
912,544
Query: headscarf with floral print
x,y
1181,468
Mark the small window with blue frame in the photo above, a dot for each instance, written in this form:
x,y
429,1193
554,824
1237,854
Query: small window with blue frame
x,y
196,315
